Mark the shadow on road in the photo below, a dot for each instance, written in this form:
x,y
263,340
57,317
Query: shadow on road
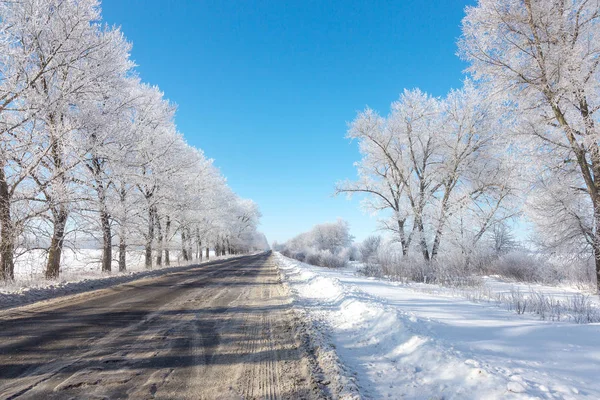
x,y
228,317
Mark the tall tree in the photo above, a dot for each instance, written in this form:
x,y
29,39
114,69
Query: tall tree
x,y
543,56
430,161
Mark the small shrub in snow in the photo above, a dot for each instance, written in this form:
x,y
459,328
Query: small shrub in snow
x,y
371,269
581,273
481,294
322,258
330,260
313,258
547,307
523,266
576,307
583,310
519,266
517,301
448,271
286,252
454,270
481,261
299,255
350,253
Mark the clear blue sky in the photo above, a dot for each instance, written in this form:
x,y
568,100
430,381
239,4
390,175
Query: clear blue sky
x,y
267,88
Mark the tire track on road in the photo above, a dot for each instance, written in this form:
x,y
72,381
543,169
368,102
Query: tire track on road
x,y
221,332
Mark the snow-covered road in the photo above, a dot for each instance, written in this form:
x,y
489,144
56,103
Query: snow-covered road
x,y
222,330
397,342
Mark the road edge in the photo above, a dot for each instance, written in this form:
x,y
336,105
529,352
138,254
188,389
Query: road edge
x,y
328,374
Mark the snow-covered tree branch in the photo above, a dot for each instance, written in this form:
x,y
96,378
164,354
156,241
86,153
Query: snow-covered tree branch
x,y
90,153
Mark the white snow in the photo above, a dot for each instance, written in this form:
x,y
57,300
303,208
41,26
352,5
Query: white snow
x,y
402,342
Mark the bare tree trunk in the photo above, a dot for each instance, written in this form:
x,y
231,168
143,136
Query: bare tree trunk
x,y
167,235
422,239
198,244
405,244
59,211
7,266
594,190
106,242
443,211
122,240
590,174
183,249
159,240
596,245
56,244
96,167
437,240
189,244
122,256
401,222
597,260
207,253
149,238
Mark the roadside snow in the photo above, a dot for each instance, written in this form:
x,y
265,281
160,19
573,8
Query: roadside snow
x,y
405,343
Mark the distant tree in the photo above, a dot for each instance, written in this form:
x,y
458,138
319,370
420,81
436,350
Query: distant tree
x,y
331,236
503,239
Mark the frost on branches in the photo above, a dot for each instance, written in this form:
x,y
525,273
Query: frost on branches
x,y
540,58
520,138
437,166
327,245
90,154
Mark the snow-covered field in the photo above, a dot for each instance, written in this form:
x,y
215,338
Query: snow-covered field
x,y
399,341
80,273
553,303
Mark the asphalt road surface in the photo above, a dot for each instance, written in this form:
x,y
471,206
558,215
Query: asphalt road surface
x,y
223,330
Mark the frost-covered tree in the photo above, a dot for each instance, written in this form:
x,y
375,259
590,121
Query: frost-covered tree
x,y
58,56
330,236
478,177
430,162
104,136
86,147
543,57
399,157
503,240
325,244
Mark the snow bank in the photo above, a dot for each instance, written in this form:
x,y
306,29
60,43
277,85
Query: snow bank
x,y
400,343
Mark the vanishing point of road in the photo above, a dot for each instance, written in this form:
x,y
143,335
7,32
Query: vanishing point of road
x,y
221,330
